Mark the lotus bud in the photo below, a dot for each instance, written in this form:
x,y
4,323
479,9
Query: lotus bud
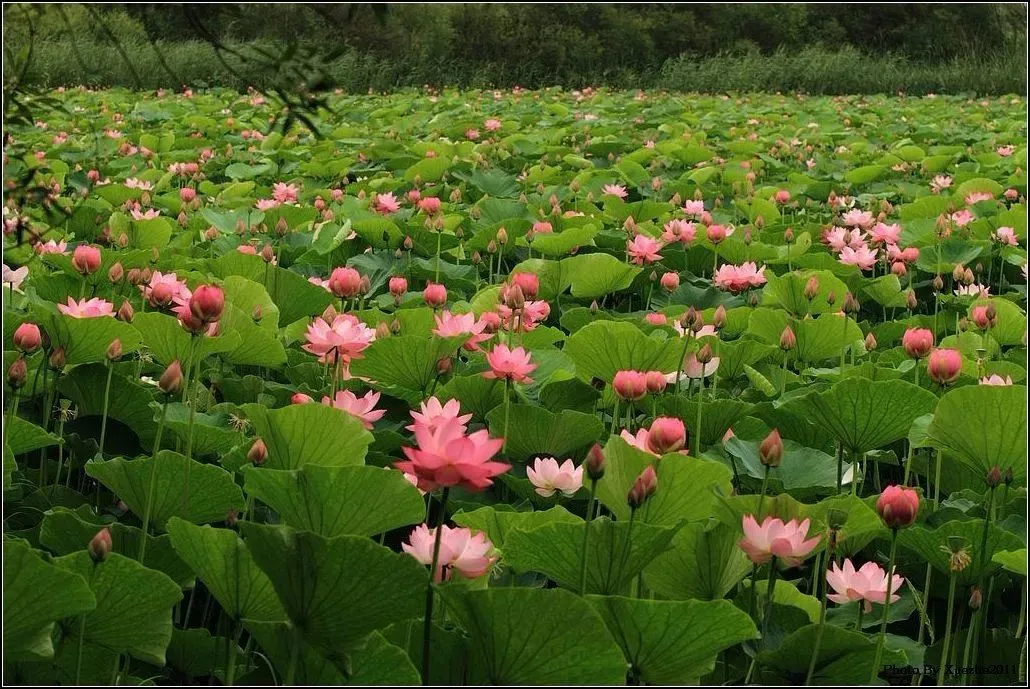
x,y
752,300
643,488
364,285
27,338
408,243
831,298
444,365
300,398
502,236
330,314
57,359
788,235
116,273
938,284
910,300
968,278
491,247
477,258
395,326
100,546
770,452
281,226
870,342
898,506
595,463
975,597
171,380
267,253
258,453
594,306
994,477
16,373
788,340
812,288
257,314
114,350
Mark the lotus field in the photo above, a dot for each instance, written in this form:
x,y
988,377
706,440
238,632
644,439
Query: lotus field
x,y
577,387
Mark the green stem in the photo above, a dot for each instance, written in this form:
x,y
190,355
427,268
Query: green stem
x,y
152,484
615,416
948,630
586,540
12,409
427,629
937,483
915,372
107,399
697,428
828,555
875,672
189,427
60,452
970,633
507,404
783,378
683,358
291,670
761,496
855,476
770,590
82,634
840,467
842,348
230,663
439,234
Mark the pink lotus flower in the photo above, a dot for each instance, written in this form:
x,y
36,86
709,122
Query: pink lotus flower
x,y
693,369
543,228
863,257
509,364
284,193
1006,235
638,441
315,280
387,203
736,279
679,231
266,204
447,457
492,125
461,551
773,538
867,584
87,308
885,234
524,319
858,218
995,379
472,134
644,249
694,208
361,408
973,290
51,247
615,190
656,318
1006,151
149,214
718,233
838,238
978,196
962,217
14,278
435,415
548,477
163,288
133,183
940,183
455,325
340,341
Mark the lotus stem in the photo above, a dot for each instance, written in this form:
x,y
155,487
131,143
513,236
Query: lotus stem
x,y
427,633
507,404
615,416
827,556
683,358
291,669
1022,611
697,428
107,399
947,630
189,425
439,234
761,495
586,539
770,590
12,410
152,484
880,639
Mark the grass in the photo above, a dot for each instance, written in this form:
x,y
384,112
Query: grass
x,y
814,70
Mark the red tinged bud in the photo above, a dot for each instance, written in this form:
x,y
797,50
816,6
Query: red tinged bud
x,y
643,488
207,303
345,282
670,281
666,435
171,380
116,273
770,452
994,477
300,398
267,253
513,297
502,236
704,355
258,453
444,366
187,194
398,286
976,598
114,350
917,342
719,319
812,288
944,366
430,205
630,385
938,284
16,373
57,359
788,340
529,283
870,342
86,259
850,304
910,300
595,463
435,295
655,382
100,546
898,506
27,338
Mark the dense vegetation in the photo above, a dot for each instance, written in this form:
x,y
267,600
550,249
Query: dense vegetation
x,y
822,48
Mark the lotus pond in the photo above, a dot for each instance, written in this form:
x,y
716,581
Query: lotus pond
x,y
660,387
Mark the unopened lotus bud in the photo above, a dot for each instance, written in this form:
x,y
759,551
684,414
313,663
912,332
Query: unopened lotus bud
x,y
979,267
968,278
752,300
395,326
747,236
116,273
114,350
171,380
455,195
958,272
267,253
27,338
502,236
831,298
257,314
595,463
770,452
491,247
812,288
975,598
643,488
100,546
444,365
870,342
408,243
241,226
938,284
258,453
788,235
994,477
210,234
477,258
382,330
788,340
850,304
704,355
364,285
719,318
281,226
182,219
676,199
57,359
330,314
594,306
16,373
123,240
